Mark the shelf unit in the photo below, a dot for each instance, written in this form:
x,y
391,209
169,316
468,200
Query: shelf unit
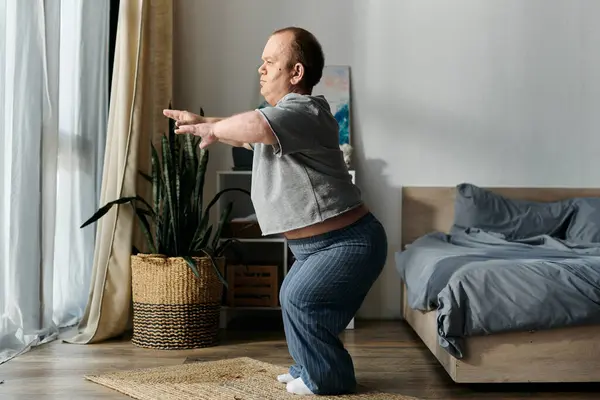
x,y
273,249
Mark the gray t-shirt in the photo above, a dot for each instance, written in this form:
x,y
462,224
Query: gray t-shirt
x,y
303,179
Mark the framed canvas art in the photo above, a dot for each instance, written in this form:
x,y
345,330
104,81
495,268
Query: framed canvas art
x,y
335,86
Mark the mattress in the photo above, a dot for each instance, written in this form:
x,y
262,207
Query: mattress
x,y
479,283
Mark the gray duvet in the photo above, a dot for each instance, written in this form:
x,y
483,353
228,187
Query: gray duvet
x,y
481,283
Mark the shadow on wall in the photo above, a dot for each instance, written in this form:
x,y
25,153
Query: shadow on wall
x,y
383,199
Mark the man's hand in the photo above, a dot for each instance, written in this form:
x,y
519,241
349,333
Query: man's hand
x,y
238,131
204,130
184,117
188,122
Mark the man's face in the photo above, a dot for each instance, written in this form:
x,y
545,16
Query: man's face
x,y
277,76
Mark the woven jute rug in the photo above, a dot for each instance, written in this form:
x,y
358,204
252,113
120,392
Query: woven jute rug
x,y
233,379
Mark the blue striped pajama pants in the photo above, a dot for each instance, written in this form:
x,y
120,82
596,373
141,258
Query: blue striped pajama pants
x,y
322,292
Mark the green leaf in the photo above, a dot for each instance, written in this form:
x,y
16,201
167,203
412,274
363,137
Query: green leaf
x,y
221,193
141,199
200,235
201,238
105,208
176,171
145,212
156,178
145,176
157,184
164,223
168,170
192,264
215,267
199,184
220,250
171,137
225,214
189,152
145,228
194,267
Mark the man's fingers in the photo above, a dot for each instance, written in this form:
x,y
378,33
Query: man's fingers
x,y
173,114
184,122
207,141
185,129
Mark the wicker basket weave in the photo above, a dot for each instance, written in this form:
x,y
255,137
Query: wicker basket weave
x,y
172,308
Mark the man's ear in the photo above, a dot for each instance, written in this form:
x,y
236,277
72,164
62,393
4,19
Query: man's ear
x,y
297,73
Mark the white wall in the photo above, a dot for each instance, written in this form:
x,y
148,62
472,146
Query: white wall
x,y
495,92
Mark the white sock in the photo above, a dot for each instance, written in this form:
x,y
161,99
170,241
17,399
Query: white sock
x,y
285,378
297,386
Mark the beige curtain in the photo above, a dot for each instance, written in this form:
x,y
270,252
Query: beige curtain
x,y
141,89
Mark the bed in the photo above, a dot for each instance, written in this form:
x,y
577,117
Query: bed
x,y
462,270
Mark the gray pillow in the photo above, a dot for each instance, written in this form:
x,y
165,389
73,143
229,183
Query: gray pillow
x,y
585,224
476,207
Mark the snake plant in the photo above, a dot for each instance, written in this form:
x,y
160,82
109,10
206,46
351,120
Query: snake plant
x,y
176,224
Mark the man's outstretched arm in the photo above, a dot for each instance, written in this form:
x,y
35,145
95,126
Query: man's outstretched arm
x,y
183,118
248,127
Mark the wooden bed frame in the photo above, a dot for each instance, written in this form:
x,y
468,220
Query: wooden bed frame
x,y
559,355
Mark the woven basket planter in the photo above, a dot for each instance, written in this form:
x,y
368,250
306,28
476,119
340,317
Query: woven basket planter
x,y
172,308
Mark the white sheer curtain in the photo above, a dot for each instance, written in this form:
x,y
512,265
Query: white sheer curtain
x,y
53,115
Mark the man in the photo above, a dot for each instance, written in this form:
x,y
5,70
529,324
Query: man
x,y
301,188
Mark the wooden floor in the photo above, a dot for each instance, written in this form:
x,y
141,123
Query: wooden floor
x,y
388,356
